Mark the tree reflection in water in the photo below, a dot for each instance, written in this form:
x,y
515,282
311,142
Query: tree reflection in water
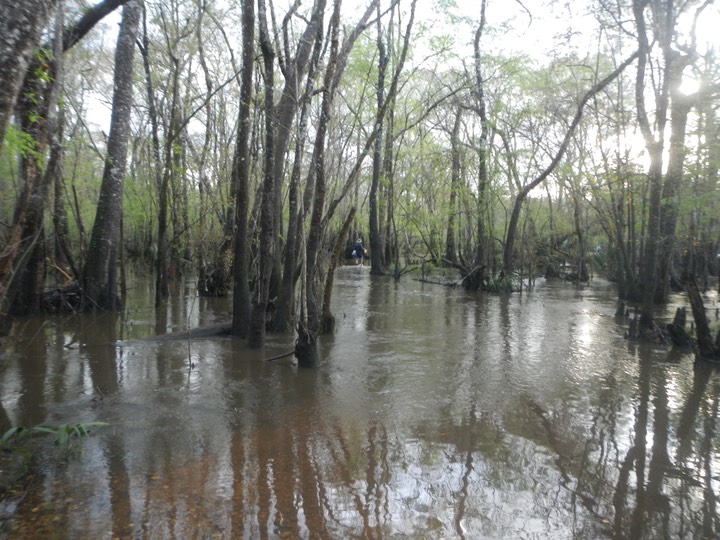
x,y
437,414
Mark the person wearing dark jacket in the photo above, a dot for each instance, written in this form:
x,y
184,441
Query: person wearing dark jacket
x,y
359,252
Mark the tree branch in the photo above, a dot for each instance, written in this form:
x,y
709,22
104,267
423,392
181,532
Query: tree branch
x,y
87,22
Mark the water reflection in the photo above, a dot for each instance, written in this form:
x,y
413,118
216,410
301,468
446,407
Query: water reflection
x,y
436,414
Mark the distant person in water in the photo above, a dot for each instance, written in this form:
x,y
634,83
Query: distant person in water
x,y
359,252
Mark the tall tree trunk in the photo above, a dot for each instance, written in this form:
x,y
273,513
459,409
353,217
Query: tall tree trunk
x,y
161,176
314,196
582,271
37,114
681,106
474,282
287,108
655,147
285,305
166,185
63,255
99,288
21,24
387,190
20,27
385,102
241,177
258,314
328,320
450,244
377,267
306,345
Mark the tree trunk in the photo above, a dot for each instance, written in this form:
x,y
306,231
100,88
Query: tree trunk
x,y
20,27
450,245
306,344
706,347
63,255
36,111
582,272
655,148
258,314
21,24
479,92
285,112
387,196
328,320
241,177
283,317
671,188
99,288
167,182
385,104
375,250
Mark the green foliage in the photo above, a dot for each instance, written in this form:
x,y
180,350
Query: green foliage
x,y
17,142
63,433
502,283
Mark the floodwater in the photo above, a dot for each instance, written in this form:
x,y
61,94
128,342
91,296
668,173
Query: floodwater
x,y
435,414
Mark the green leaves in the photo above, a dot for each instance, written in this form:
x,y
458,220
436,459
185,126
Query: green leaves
x,y
19,142
14,432
63,433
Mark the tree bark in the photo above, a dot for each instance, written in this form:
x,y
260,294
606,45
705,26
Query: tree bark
x,y
655,260
284,315
383,60
241,177
328,320
28,18
37,114
294,69
73,34
450,244
21,24
479,91
306,345
99,287
258,312
681,106
706,347
384,105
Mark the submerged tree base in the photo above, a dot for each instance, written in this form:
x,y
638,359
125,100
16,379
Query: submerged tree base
x,y
702,343
707,348
306,350
72,299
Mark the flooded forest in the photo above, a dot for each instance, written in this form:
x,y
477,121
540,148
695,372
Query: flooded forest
x,y
359,269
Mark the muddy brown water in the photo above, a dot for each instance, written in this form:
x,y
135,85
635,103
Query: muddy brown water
x,y
435,414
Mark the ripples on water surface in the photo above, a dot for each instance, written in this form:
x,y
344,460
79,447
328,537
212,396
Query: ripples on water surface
x,y
436,414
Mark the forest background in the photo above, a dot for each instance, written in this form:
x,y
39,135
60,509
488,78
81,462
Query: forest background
x,y
252,142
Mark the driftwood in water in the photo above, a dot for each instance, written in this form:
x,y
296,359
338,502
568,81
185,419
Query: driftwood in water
x,y
706,347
